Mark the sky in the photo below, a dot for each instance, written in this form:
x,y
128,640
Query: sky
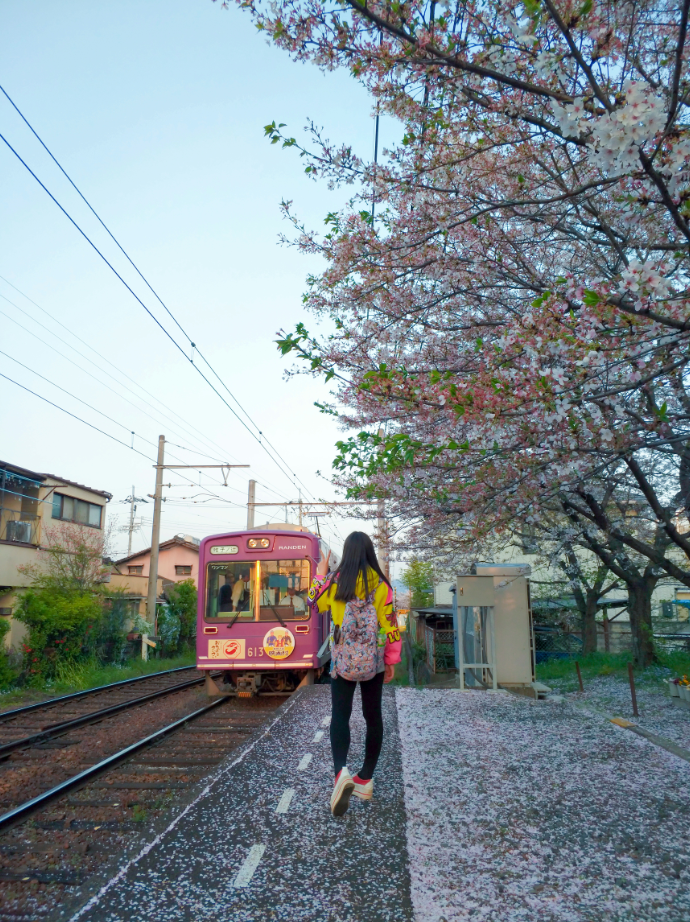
x,y
156,110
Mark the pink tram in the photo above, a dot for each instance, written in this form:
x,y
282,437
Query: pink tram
x,y
254,621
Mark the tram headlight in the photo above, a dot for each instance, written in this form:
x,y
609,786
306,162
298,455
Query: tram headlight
x,y
258,542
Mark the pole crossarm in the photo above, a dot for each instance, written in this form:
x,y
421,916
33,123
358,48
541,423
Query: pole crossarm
x,y
195,467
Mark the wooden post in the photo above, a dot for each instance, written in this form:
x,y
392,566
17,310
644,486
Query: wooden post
x,y
579,677
408,650
605,626
632,689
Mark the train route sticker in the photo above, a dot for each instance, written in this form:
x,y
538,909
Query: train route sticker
x,y
279,643
226,649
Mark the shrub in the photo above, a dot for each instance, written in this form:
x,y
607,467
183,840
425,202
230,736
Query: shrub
x,y
182,602
8,675
112,638
63,627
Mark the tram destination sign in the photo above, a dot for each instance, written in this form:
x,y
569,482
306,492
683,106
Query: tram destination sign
x,y
225,549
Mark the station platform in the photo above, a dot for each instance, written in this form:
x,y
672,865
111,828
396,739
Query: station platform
x,y
487,807
233,858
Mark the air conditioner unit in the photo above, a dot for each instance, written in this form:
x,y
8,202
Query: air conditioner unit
x,y
19,531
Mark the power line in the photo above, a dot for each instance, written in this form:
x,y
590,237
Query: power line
x,y
181,422
94,377
74,416
171,338
138,299
76,365
91,425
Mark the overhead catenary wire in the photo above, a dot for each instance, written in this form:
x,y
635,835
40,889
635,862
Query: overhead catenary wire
x,y
95,409
211,443
138,299
84,370
98,429
183,424
262,438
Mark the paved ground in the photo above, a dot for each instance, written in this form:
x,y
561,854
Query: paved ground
x,y
513,811
523,811
299,865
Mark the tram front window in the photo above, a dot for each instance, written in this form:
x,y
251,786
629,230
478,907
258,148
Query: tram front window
x,y
284,587
231,591
258,590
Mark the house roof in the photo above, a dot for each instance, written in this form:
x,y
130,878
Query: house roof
x,y
35,475
161,547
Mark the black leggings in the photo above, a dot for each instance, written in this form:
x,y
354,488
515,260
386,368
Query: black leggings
x,y
342,693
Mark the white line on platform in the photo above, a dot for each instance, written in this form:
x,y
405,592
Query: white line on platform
x,y
284,802
304,762
122,871
251,863
318,736
325,722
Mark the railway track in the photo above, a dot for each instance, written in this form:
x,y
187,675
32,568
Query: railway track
x,y
79,787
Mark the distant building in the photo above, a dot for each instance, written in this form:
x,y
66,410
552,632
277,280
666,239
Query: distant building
x,y
32,505
135,591
178,559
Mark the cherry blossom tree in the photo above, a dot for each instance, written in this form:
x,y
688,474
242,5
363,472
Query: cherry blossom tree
x,y
508,288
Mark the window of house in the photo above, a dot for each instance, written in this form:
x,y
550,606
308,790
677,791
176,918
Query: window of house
x,y
183,570
76,510
136,570
5,612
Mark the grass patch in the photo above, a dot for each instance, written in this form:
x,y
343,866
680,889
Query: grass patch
x,y
561,673
81,676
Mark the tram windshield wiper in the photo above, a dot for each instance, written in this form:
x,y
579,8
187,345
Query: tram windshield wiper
x,y
278,616
230,623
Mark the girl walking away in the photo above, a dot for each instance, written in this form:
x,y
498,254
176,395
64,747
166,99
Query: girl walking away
x,y
365,645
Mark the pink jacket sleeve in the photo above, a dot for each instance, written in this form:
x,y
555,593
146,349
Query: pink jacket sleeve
x,y
391,654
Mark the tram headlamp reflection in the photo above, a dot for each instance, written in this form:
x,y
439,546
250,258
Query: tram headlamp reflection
x,y
258,542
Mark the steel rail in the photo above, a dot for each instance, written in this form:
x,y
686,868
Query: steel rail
x,y
88,691
20,813
46,733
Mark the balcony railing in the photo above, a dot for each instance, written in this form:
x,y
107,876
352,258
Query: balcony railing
x,y
22,527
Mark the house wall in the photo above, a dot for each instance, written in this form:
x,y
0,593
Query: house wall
x,y
14,555
169,558
136,588
666,589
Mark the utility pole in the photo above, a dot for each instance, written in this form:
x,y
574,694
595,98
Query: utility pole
x,y
382,535
132,507
382,530
158,499
155,535
300,508
251,504
132,500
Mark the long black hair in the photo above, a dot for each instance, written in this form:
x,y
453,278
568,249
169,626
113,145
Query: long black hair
x,y
359,556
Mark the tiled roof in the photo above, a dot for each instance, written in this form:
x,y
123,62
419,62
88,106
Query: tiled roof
x,y
161,547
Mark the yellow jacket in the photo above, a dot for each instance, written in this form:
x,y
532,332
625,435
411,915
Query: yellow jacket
x,y
322,596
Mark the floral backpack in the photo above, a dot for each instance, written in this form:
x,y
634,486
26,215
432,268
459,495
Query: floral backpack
x,y
355,650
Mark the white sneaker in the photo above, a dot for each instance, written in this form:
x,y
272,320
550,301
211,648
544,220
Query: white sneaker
x,y
340,798
363,789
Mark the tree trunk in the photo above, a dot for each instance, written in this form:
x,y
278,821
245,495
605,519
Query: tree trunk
x,y
640,609
589,624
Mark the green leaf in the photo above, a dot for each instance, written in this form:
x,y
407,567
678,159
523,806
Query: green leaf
x,y
591,298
